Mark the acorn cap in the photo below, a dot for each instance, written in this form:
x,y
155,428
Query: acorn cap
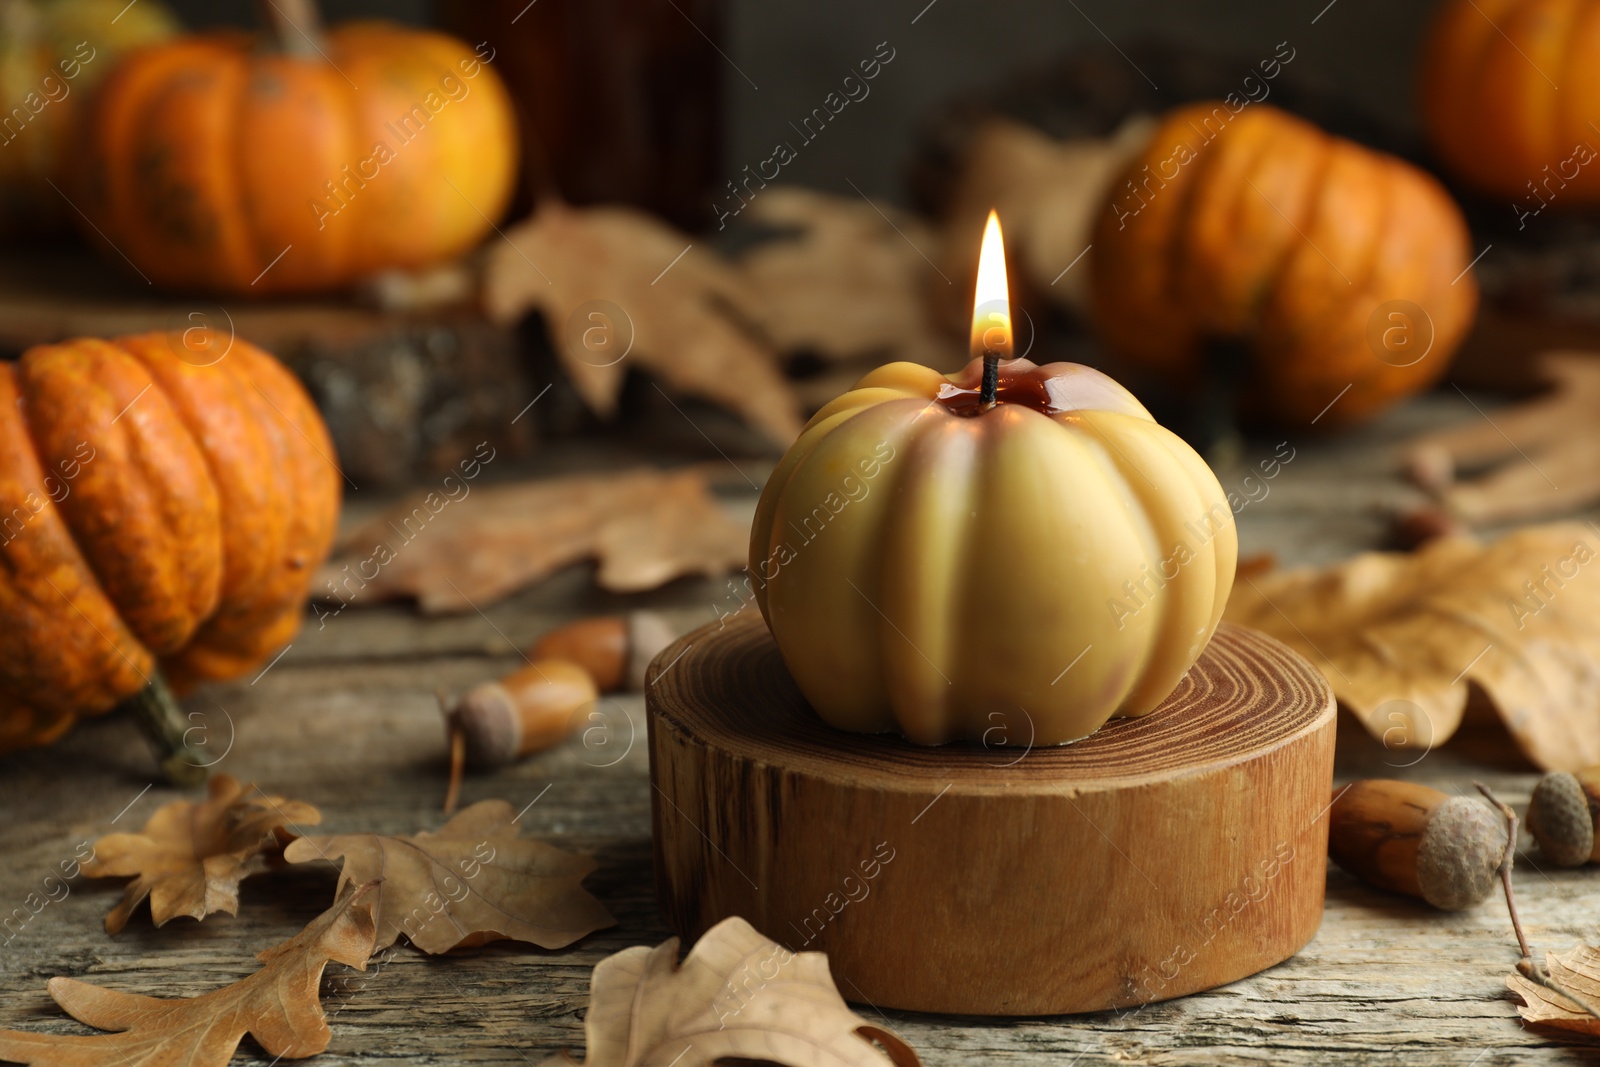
x,y
1559,819
1460,854
648,634
487,719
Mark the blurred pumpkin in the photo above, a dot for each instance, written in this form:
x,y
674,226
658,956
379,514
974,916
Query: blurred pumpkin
x,y
164,502
52,54
1341,272
217,163
1490,105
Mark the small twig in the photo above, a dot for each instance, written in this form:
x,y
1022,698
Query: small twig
x,y
1527,966
1506,862
458,753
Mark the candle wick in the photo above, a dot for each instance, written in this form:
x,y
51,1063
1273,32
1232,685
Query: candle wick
x,y
991,381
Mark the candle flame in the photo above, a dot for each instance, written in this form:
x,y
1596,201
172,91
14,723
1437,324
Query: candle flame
x,y
991,299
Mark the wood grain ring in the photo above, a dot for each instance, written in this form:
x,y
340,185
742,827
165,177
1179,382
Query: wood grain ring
x,y
1157,857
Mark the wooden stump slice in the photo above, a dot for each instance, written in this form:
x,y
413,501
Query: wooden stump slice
x,y
1157,857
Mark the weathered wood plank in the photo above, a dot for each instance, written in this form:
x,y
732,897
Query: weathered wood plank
x,y
347,720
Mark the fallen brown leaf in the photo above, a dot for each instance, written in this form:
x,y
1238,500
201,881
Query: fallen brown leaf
x,y
471,881
845,279
277,1005
191,856
1254,566
1578,972
1542,456
737,997
681,317
1401,636
1047,192
644,527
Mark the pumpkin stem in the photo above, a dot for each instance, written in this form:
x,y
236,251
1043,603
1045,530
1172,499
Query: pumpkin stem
x,y
166,726
296,25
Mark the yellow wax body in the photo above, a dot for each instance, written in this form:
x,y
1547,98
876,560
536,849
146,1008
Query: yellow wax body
x,y
1013,576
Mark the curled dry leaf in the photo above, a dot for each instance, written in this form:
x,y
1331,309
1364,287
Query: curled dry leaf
x,y
191,857
845,279
471,881
1577,972
277,1005
1401,636
644,527
683,311
1542,456
737,998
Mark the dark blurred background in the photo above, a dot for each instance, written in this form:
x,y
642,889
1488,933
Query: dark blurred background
x,y
671,105
784,56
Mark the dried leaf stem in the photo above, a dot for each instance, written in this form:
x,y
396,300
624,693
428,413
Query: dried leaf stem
x,y
1527,966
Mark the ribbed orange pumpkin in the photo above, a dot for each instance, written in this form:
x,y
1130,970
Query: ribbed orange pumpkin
x,y
1491,103
214,163
164,502
1341,271
52,53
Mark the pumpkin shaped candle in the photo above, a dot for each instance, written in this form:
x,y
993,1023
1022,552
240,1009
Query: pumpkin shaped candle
x,y
1012,554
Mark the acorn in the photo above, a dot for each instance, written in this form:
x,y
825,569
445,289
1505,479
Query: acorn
x,y
1408,838
1561,816
529,710
614,649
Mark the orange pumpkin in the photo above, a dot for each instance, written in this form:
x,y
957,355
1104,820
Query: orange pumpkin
x,y
164,502
1341,271
1490,103
216,163
52,53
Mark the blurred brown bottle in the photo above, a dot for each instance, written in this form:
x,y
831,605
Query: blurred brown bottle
x,y
620,100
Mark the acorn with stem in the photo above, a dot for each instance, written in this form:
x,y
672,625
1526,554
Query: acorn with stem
x,y
539,705
1408,838
529,710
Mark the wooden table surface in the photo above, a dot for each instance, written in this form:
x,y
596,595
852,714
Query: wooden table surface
x,y
347,721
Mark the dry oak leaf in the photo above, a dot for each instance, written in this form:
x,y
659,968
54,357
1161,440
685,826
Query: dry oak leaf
x,y
471,881
684,311
644,527
1535,459
1048,194
1402,636
1578,972
277,1005
191,857
845,279
737,997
